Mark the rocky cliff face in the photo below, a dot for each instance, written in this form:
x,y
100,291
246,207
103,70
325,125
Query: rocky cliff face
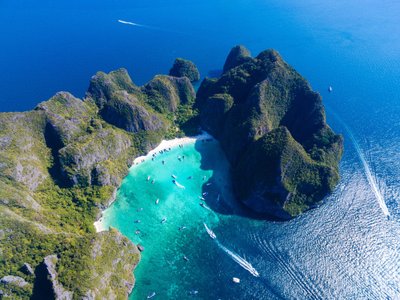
x,y
185,68
272,127
62,161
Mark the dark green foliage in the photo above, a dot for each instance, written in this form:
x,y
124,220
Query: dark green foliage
x,y
237,56
63,161
271,102
183,67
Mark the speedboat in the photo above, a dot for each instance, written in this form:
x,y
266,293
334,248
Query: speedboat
x,y
210,232
173,176
185,258
182,228
137,221
236,280
157,201
330,89
164,220
193,292
202,198
148,178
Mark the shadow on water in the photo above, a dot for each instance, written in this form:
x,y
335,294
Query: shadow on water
x,y
218,190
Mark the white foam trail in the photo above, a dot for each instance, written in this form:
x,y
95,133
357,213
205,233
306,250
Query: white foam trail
x,y
371,180
129,23
206,207
240,260
210,232
179,185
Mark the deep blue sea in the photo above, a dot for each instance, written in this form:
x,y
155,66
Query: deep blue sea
x,y
346,248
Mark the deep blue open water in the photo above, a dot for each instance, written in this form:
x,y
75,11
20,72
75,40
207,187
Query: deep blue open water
x,y
346,248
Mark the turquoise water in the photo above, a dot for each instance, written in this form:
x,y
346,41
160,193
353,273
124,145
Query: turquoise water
x,y
334,251
203,175
346,248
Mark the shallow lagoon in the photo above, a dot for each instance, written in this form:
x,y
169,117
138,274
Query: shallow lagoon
x,y
344,248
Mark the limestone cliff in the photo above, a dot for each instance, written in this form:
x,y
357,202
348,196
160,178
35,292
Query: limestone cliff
x,y
272,127
63,161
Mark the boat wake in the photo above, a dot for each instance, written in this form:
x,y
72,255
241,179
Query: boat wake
x,y
210,232
371,179
240,260
178,184
129,23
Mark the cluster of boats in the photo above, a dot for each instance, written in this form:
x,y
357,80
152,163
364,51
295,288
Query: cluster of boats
x,y
181,228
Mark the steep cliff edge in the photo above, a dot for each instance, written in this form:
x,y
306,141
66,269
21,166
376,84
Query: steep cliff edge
x,y
61,163
64,160
272,127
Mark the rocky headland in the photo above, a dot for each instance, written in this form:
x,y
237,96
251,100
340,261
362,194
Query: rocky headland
x,y
61,163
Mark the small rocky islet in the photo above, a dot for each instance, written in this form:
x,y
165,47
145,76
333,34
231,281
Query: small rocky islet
x,y
61,163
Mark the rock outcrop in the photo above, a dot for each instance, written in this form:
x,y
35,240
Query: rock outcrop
x,y
63,161
183,67
236,56
27,269
13,280
59,291
166,93
272,128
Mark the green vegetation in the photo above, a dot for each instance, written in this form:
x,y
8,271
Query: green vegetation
x,y
272,127
183,67
61,163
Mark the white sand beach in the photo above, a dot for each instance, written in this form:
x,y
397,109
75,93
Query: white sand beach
x,y
164,145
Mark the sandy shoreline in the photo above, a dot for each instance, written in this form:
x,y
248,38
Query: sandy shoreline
x,y
165,144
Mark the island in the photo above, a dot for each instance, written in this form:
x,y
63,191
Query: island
x,y
273,129
61,164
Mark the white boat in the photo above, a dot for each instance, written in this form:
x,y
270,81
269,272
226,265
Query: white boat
x,y
148,178
178,184
164,220
157,201
174,176
210,232
236,280
330,89
202,198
